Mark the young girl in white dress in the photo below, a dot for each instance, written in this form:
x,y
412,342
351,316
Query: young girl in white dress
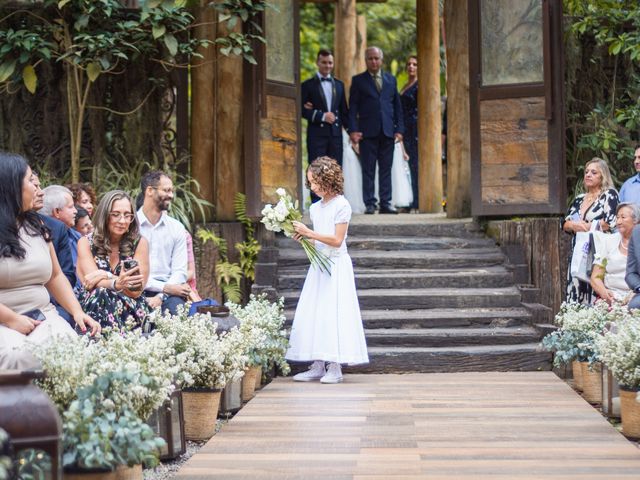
x,y
327,326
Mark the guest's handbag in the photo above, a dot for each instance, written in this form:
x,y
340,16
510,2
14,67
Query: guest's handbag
x,y
207,302
583,253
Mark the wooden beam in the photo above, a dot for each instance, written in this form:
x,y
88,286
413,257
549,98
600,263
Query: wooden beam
x,y
429,118
346,22
458,127
203,118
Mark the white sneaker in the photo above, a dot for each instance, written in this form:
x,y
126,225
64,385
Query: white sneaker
x,y
333,375
315,372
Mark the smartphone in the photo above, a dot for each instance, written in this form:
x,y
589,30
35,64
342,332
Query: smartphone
x,y
130,263
35,314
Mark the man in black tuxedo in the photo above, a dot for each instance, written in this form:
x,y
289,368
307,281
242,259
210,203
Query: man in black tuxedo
x,y
325,107
375,121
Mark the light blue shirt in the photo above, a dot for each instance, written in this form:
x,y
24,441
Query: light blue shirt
x,y
630,190
167,251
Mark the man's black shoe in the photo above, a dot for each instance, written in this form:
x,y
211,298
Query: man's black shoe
x,y
388,210
370,210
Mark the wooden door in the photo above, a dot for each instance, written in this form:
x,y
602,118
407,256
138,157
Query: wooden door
x,y
272,153
516,107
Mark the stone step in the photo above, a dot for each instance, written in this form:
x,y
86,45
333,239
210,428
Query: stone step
x,y
454,258
440,318
419,298
499,358
384,226
451,337
402,243
498,276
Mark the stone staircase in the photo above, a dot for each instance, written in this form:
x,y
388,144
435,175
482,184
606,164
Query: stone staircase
x,y
436,295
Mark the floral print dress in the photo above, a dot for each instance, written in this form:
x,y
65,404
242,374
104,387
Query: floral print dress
x,y
603,208
111,308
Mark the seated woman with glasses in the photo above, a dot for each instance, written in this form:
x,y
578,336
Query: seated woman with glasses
x,y
113,264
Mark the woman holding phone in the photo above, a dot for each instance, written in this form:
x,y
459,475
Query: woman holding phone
x,y
113,264
29,270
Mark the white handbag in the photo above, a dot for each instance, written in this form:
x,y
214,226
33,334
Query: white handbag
x,y
583,252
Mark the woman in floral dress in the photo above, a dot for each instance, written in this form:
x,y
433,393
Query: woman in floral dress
x,y
597,204
113,264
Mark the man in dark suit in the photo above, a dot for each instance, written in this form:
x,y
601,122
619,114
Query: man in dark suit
x,y
632,276
325,107
61,245
375,122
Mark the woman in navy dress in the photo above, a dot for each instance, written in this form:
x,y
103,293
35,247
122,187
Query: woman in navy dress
x,y
409,98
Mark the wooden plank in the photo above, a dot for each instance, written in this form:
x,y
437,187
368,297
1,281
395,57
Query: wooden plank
x,y
507,152
528,425
503,195
531,108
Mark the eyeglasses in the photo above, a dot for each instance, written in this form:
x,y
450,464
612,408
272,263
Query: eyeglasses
x,y
115,216
165,190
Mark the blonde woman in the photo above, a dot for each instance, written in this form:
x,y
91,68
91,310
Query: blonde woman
x,y
598,203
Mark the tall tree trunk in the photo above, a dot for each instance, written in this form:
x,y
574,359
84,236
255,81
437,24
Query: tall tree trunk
x,y
346,21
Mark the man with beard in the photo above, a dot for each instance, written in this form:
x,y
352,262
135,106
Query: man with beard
x,y
167,285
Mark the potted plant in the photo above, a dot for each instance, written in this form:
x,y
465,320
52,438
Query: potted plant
x,y
262,324
99,435
619,349
579,328
201,368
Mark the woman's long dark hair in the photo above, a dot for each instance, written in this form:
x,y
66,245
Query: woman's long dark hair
x,y
13,168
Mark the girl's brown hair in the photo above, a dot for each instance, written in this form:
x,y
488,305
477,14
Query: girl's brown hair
x,y
327,174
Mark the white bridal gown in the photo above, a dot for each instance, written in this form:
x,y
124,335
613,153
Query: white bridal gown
x,y
327,324
401,192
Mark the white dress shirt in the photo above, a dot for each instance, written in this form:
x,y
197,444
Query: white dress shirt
x,y
327,88
167,251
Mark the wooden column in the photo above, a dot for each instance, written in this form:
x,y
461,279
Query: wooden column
x,y
359,65
203,118
429,111
229,166
346,23
458,127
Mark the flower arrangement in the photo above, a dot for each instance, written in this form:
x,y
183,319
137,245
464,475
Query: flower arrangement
x,y
199,355
75,363
619,349
580,326
262,324
280,218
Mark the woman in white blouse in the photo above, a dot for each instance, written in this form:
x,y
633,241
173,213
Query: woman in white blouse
x,y
610,261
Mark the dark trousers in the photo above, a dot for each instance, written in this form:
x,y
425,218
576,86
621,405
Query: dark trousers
x,y
376,150
170,303
329,146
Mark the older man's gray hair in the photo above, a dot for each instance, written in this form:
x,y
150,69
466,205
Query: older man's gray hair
x,y
55,196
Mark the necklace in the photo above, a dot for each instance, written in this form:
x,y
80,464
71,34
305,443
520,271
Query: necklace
x,y
623,246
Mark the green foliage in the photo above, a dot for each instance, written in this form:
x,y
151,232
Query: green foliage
x,y
127,174
250,248
229,275
603,85
100,435
92,38
32,464
316,32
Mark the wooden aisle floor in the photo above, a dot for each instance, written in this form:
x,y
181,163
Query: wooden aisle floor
x,y
515,426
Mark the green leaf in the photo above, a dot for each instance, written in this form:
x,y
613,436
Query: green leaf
x,y
171,43
7,69
30,78
93,71
62,3
158,31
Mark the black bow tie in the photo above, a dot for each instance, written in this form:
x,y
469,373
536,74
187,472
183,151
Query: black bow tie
x,y
322,79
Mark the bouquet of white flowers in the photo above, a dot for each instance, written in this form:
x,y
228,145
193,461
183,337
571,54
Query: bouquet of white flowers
x,y
280,218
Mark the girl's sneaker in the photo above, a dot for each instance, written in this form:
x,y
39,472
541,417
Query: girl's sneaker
x,y
333,375
315,372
